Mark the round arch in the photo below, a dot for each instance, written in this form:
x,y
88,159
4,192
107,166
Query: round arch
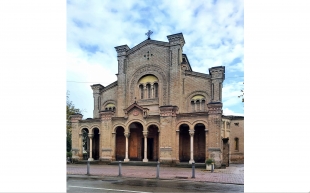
x,y
127,129
93,127
189,124
152,123
153,70
205,123
117,125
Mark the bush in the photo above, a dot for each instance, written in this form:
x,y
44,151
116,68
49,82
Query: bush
x,y
69,154
209,161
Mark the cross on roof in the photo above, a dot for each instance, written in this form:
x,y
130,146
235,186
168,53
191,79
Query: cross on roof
x,y
148,34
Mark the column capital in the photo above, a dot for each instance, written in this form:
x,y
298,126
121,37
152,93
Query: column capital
x,y
126,135
191,132
145,134
90,135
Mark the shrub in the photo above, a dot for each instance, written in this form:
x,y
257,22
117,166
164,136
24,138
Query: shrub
x,y
69,154
209,161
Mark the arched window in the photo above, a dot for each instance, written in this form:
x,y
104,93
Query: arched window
x,y
155,90
151,86
198,103
110,107
141,91
148,89
236,144
193,106
203,104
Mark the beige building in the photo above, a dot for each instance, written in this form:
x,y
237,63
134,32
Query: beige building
x,y
158,109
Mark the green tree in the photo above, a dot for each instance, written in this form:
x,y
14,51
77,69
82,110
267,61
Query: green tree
x,y
71,109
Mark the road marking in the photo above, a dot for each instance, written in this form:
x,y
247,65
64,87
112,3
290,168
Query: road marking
x,y
108,189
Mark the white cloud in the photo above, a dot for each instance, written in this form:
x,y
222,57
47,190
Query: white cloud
x,y
227,111
213,35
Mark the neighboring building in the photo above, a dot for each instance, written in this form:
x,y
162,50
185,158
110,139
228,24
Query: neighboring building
x,y
158,109
232,134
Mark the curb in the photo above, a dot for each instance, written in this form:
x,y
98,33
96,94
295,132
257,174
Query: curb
x,y
122,177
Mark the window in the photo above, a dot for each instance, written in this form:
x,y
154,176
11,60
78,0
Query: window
x,y
141,91
193,106
155,90
148,88
203,104
236,144
198,105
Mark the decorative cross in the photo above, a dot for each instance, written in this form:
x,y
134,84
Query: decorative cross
x,y
148,55
148,34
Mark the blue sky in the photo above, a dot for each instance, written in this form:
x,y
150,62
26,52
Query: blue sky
x,y
213,32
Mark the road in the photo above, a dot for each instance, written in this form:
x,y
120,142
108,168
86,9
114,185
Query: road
x,y
146,185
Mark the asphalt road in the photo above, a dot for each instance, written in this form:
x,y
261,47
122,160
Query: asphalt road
x,y
146,185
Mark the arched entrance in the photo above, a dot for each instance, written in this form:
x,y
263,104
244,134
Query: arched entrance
x,y
184,143
120,144
152,143
95,144
199,143
135,141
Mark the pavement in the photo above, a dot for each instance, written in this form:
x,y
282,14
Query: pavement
x,y
234,174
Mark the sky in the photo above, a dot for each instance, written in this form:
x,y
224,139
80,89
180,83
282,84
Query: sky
x,y
213,32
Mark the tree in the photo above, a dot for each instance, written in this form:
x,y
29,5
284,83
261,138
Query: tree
x,y
242,95
71,110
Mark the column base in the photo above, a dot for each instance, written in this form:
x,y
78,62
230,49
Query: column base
x,y
90,159
126,160
145,160
191,161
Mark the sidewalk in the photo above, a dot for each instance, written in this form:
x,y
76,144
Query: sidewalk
x,y
234,174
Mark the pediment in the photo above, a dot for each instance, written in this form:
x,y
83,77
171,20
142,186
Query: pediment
x,y
145,43
136,109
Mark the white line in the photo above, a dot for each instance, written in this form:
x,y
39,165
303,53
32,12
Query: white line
x,y
108,189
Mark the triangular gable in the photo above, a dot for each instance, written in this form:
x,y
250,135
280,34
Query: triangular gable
x,y
135,105
146,42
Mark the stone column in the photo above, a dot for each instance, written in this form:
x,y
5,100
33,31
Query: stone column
x,y
145,146
91,147
177,150
206,144
191,133
81,145
126,155
152,91
145,92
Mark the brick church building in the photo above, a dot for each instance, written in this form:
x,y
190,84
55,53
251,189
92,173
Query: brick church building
x,y
159,109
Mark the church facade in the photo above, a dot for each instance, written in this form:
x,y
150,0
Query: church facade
x,y
158,109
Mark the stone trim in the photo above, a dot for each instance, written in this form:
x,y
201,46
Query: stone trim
x,y
109,87
149,69
214,149
197,74
106,149
167,111
146,42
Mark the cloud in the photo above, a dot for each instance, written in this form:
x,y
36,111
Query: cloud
x,y
227,111
213,31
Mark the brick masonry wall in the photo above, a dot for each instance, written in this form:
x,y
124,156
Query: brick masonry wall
x,y
237,156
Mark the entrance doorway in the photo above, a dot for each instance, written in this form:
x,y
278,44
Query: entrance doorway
x,y
135,142
184,143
